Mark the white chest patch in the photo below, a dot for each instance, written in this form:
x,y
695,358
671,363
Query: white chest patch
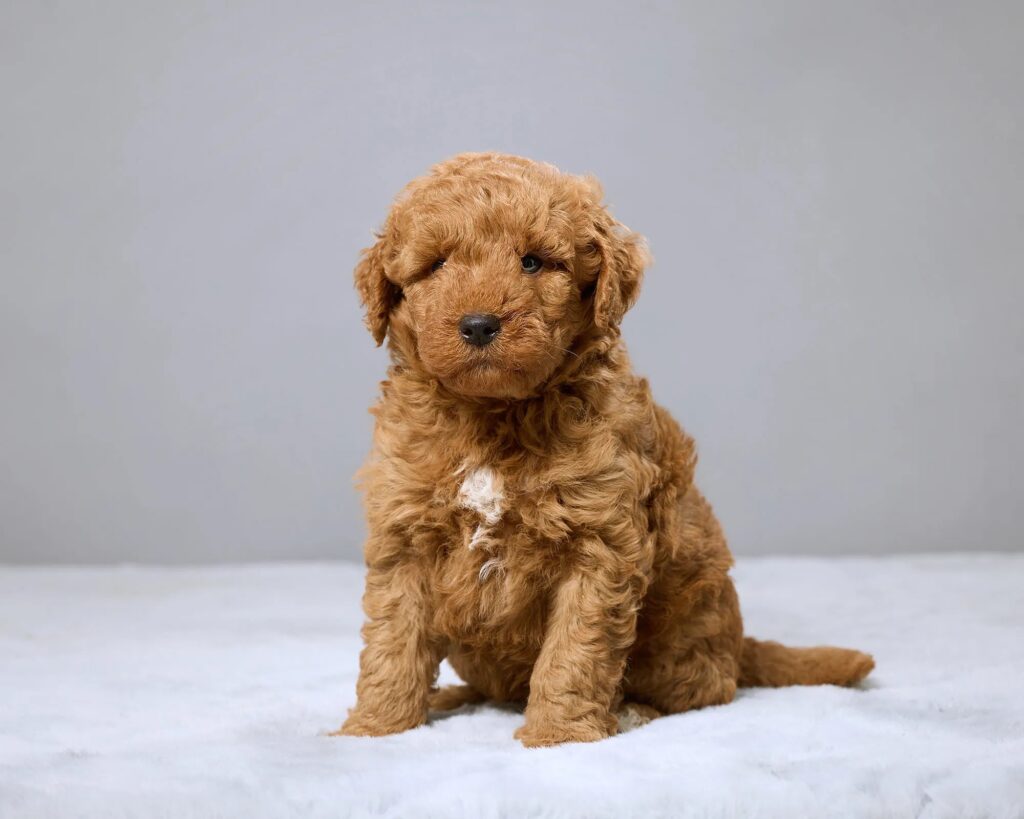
x,y
481,491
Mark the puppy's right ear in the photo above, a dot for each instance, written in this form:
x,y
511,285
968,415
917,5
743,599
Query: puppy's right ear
x,y
378,295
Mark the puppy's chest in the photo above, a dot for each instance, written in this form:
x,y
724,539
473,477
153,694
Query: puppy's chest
x,y
500,548
494,513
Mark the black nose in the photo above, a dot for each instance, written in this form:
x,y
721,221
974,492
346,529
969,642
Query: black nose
x,y
478,329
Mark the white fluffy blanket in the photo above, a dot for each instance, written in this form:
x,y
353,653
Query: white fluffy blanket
x,y
208,692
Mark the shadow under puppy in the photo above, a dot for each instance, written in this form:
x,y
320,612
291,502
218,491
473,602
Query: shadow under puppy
x,y
532,512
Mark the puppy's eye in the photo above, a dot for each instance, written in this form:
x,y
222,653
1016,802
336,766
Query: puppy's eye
x,y
531,264
437,265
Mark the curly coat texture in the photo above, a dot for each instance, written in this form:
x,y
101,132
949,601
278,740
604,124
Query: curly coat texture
x,y
532,512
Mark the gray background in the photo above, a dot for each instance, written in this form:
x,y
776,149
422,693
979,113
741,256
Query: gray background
x,y
832,191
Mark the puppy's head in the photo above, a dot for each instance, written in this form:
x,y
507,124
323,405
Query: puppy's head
x,y
490,268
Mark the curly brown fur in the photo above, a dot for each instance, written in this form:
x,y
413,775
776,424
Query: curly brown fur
x,y
532,512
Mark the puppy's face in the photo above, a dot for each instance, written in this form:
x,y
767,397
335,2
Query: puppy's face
x,y
491,268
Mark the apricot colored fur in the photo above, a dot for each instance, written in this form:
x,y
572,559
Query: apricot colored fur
x,y
598,577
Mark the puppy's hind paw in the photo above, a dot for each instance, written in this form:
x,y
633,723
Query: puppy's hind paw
x,y
632,715
453,696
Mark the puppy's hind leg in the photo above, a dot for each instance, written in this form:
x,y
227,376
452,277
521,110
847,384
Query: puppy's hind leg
x,y
633,715
453,696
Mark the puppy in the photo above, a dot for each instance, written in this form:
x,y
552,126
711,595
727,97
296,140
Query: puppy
x,y
532,512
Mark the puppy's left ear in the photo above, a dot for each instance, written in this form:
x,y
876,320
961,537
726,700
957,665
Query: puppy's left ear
x,y
621,255
624,256
377,293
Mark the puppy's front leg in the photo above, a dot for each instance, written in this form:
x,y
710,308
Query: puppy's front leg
x,y
399,662
577,675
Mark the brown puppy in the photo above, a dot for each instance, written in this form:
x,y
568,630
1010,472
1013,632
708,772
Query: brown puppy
x,y
532,512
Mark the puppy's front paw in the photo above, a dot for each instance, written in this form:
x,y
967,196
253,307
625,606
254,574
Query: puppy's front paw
x,y
360,724
541,735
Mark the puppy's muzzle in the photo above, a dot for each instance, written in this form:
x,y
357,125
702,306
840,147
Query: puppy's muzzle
x,y
479,329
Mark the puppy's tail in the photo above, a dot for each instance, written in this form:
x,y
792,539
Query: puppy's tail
x,y
773,664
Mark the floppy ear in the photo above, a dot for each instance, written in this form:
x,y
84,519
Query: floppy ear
x,y
377,294
624,256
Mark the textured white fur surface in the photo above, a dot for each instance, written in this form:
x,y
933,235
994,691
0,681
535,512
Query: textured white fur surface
x,y
207,692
